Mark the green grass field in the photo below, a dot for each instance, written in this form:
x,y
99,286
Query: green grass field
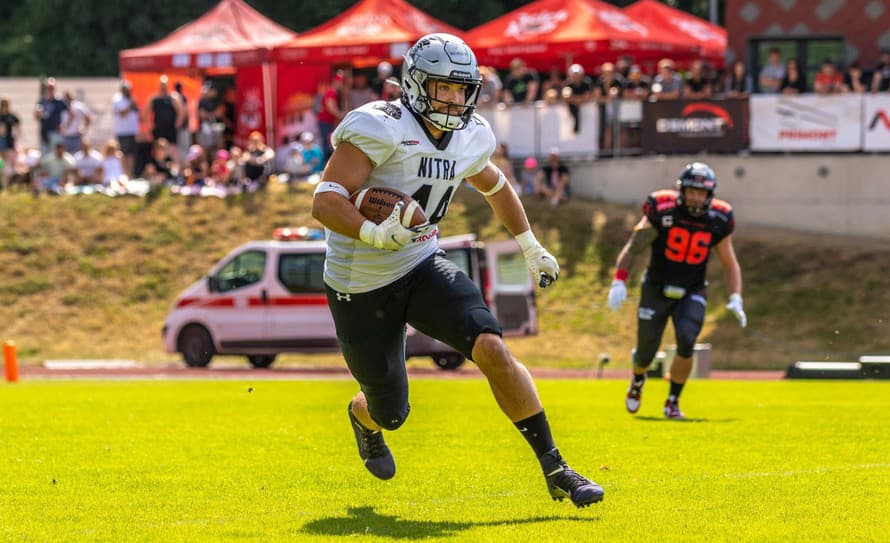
x,y
276,461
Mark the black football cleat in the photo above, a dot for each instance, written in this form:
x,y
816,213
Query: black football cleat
x,y
564,482
372,449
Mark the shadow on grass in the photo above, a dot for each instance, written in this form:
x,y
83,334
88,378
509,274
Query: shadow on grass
x,y
680,421
364,520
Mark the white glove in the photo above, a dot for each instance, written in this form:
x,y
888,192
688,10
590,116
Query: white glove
x,y
735,305
617,294
390,234
542,265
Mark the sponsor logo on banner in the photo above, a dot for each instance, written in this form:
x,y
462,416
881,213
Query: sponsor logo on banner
x,y
803,122
808,122
689,124
535,24
876,121
882,117
679,126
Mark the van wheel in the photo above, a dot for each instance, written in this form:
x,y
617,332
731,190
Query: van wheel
x,y
261,360
196,346
448,361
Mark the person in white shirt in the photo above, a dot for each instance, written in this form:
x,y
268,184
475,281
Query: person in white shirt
x,y
125,120
76,122
381,277
88,165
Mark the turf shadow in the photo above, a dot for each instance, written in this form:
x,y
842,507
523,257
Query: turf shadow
x,y
366,521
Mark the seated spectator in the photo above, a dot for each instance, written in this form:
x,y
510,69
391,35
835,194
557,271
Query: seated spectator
x,y
88,165
501,159
880,79
159,169
667,85
236,168
828,80
738,82
54,170
527,176
793,82
257,160
220,169
854,79
294,166
637,85
491,86
772,73
552,181
312,153
697,86
521,84
578,90
114,178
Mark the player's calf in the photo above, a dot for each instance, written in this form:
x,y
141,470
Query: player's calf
x,y
372,449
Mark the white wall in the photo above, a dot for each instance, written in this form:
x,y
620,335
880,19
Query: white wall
x,y
96,92
832,194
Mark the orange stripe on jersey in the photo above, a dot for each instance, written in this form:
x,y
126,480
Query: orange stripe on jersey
x,y
665,194
721,205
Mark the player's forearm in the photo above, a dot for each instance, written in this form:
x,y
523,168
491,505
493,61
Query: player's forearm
x,y
732,275
509,211
337,213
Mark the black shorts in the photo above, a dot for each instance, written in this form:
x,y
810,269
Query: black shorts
x,y
436,298
686,313
127,144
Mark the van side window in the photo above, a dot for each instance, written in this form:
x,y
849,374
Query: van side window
x,y
511,270
461,257
245,269
302,273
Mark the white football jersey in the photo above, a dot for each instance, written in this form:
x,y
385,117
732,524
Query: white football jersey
x,y
406,158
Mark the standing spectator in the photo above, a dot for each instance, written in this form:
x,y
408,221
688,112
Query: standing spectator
x,y
880,75
578,90
667,84
10,128
828,80
360,93
54,170
166,115
637,85
771,75
125,120
697,86
208,123
738,82
555,80
491,86
793,82
227,113
392,89
521,84
854,80
623,66
76,120
330,113
607,91
49,112
183,129
501,159
384,71
552,182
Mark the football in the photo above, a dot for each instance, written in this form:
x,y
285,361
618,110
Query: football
x,y
376,203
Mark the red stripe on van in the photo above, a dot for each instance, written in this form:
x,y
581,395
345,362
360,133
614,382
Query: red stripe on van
x,y
310,299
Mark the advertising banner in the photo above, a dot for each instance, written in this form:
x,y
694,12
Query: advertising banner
x,y
806,123
876,122
692,126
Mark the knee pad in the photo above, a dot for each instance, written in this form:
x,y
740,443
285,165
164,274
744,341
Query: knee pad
x,y
389,417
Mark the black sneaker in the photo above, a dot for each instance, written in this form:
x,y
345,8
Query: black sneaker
x,y
372,449
564,482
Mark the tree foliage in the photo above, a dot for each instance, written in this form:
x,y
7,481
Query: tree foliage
x,y
83,37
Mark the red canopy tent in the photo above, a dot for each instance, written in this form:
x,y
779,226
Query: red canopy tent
x,y
366,34
231,38
557,32
711,38
363,35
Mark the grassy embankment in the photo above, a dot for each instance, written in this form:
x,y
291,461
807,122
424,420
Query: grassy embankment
x,y
93,277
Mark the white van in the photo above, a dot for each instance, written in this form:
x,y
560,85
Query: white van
x,y
268,297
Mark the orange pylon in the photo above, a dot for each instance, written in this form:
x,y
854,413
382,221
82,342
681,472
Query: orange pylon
x,y
10,364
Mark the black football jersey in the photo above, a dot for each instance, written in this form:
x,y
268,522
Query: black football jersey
x,y
681,250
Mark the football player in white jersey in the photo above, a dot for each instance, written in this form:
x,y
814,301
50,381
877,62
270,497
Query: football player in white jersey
x,y
381,276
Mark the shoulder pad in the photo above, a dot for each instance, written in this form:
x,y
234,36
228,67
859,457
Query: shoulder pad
x,y
721,205
661,200
373,128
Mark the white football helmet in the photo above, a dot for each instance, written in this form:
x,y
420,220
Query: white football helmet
x,y
444,57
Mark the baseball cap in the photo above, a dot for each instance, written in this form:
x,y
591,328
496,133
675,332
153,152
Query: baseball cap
x,y
531,163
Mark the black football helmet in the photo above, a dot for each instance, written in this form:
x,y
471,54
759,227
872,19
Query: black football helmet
x,y
697,175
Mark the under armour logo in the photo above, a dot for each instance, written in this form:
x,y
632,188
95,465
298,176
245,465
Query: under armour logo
x,y
343,297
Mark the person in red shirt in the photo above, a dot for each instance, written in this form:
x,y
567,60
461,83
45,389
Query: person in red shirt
x,y
829,80
330,112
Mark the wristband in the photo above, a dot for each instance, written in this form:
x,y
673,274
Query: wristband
x,y
526,240
735,297
330,186
621,275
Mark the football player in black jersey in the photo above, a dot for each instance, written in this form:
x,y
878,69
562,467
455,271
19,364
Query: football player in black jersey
x,y
681,226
